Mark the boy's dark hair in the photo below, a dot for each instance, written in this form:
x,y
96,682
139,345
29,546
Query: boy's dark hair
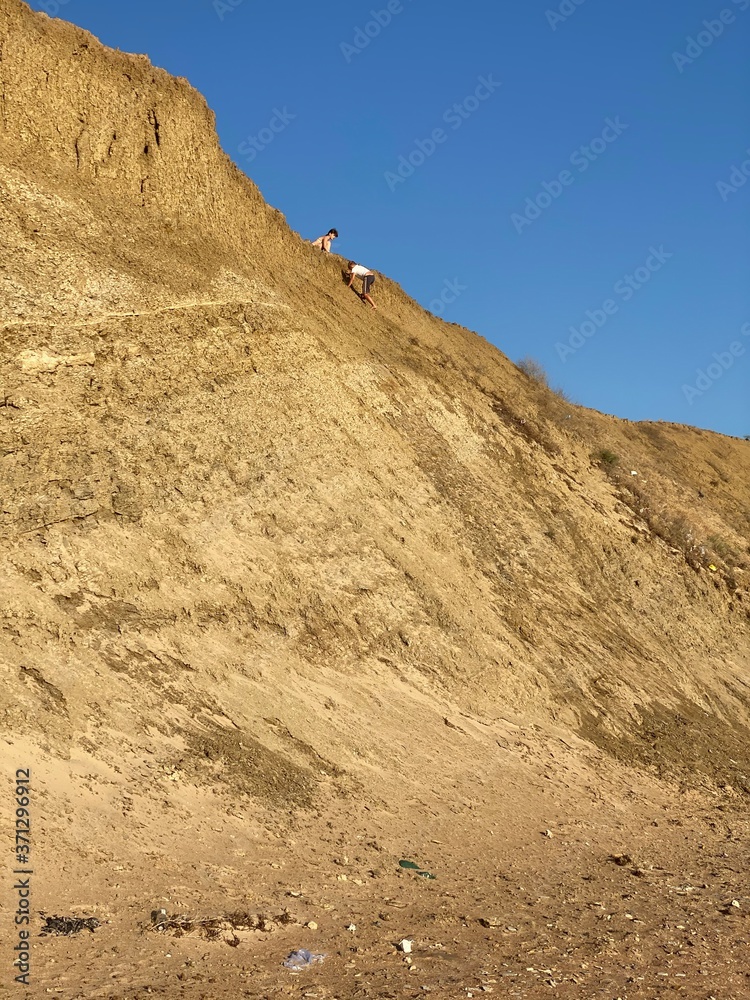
x,y
333,232
352,263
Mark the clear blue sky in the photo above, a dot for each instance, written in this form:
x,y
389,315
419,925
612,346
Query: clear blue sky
x,y
459,225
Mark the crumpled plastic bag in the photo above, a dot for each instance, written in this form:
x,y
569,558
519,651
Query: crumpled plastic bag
x,y
301,959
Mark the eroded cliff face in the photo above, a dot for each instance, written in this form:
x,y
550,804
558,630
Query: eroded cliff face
x,y
231,494
116,191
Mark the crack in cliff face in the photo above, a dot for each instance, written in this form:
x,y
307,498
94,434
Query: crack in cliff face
x,y
154,121
78,144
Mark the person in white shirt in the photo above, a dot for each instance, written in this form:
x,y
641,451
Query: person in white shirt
x,y
368,279
324,242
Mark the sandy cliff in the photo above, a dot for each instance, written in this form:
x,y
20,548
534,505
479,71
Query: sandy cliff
x,y
269,541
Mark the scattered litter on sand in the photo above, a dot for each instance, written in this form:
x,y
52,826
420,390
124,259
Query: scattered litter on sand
x,y
417,869
216,928
69,925
301,959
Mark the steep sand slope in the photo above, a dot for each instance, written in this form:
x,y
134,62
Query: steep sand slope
x,y
267,551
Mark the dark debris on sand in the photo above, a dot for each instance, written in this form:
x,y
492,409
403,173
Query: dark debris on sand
x,y
69,925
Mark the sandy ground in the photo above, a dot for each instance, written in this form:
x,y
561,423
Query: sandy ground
x,y
551,877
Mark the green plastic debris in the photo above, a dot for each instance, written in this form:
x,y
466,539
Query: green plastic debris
x,y
415,868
